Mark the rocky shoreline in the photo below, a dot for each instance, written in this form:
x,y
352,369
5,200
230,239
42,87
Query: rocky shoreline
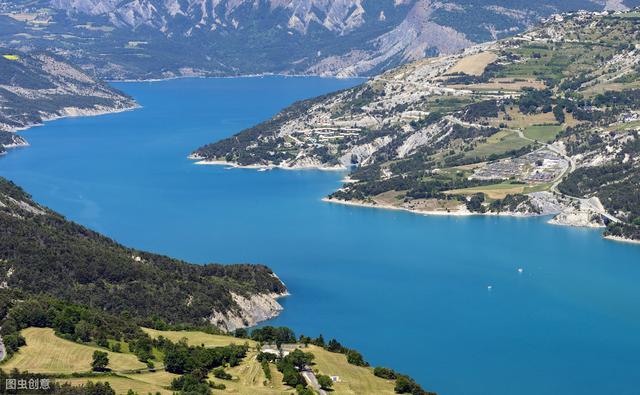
x,y
564,214
360,203
68,112
74,112
251,311
622,239
200,160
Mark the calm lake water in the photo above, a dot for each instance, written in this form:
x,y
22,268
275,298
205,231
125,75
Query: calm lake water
x,y
409,291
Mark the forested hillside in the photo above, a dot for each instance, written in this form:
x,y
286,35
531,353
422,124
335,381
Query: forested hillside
x,y
43,253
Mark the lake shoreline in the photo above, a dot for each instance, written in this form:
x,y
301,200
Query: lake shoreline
x,y
461,213
74,112
180,77
620,239
207,162
439,213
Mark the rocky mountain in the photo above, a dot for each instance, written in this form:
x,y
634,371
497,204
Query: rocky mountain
x,y
133,39
38,87
41,253
545,122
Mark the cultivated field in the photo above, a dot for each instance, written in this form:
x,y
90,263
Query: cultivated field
x,y
501,142
198,338
47,353
474,64
249,379
521,121
542,133
353,379
122,385
496,191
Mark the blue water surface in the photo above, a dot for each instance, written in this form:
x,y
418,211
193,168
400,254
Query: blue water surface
x,y
409,291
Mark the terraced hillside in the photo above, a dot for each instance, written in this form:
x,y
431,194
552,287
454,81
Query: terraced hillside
x,y
542,123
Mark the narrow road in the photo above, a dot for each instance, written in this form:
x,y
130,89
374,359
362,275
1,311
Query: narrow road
x,y
311,379
3,352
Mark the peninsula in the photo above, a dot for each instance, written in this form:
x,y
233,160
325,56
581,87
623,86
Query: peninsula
x,y
542,123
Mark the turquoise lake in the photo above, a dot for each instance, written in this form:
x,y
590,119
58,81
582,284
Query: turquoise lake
x,y
409,291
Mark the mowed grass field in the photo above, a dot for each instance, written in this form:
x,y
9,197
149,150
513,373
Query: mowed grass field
x,y
159,378
122,385
249,378
542,133
195,338
496,191
47,353
501,142
353,379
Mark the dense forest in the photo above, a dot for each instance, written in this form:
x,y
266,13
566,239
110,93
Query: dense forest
x,y
43,253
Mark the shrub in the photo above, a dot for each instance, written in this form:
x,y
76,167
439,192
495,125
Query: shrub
x,y
100,361
221,374
325,382
385,373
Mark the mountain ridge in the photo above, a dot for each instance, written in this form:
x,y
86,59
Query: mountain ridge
x,y
147,39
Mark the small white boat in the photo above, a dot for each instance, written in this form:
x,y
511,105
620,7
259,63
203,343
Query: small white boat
x,y
263,169
520,270
489,287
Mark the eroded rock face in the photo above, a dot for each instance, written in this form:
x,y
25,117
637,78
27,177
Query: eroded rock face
x,y
583,213
251,311
579,218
